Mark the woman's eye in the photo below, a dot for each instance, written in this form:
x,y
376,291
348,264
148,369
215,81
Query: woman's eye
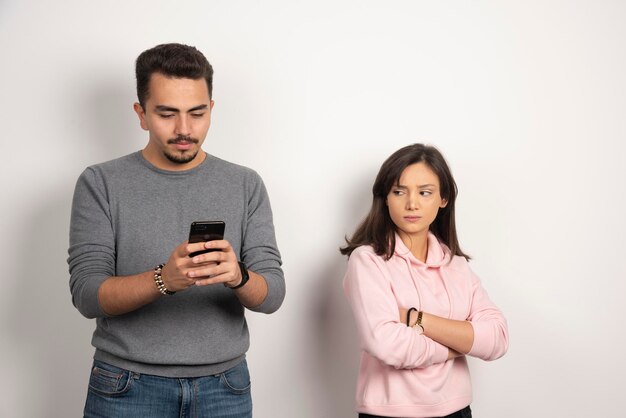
x,y
425,193
397,192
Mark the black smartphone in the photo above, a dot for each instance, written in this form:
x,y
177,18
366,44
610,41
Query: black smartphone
x,y
203,231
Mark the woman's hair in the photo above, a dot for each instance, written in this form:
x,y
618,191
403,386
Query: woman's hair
x,y
378,230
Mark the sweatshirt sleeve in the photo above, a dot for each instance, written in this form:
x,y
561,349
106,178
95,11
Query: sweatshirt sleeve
x,y
259,250
491,334
370,295
92,244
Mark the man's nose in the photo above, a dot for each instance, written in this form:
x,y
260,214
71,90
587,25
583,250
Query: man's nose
x,y
182,126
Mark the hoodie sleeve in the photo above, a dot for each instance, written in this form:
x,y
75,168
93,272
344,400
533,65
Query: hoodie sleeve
x,y
375,309
491,334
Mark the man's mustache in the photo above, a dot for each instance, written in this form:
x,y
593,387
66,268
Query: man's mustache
x,y
182,138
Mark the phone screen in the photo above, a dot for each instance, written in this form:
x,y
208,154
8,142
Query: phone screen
x,y
202,231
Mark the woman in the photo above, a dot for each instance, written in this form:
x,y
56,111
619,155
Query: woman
x,y
418,307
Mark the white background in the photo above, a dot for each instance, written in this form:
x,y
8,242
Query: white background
x,y
527,100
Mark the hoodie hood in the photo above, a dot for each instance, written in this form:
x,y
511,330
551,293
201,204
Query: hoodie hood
x,y
438,253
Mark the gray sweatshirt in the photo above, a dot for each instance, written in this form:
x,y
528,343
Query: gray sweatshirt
x,y
127,217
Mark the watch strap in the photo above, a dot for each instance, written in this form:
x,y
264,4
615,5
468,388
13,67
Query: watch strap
x,y
245,276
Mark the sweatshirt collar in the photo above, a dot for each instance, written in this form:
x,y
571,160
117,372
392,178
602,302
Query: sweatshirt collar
x,y
438,253
152,167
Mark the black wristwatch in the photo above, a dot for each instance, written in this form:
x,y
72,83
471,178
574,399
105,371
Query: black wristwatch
x,y
245,276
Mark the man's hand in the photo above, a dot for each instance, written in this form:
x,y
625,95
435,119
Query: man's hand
x,y
175,273
121,294
181,271
222,266
219,266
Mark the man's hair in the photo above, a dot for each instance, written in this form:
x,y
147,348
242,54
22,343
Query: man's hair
x,y
378,229
171,60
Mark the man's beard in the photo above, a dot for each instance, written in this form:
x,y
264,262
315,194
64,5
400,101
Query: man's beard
x,y
181,157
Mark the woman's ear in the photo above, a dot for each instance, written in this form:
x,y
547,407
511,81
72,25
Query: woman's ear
x,y
444,203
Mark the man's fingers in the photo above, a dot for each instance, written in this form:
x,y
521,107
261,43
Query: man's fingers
x,y
219,244
227,270
220,278
222,251
192,248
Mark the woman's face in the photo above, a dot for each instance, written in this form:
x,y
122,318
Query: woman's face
x,y
414,202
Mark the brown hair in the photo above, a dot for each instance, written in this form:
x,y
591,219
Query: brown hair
x,y
172,60
378,230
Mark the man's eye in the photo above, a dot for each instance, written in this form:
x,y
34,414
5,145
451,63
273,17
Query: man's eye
x,y
166,115
197,115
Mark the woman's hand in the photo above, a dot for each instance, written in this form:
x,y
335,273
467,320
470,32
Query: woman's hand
x,y
458,336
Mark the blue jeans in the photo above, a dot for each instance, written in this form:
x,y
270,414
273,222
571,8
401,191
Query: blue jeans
x,y
119,393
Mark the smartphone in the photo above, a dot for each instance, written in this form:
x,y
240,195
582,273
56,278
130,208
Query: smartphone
x,y
203,231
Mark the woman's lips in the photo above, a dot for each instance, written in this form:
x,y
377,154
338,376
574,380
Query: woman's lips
x,y
412,218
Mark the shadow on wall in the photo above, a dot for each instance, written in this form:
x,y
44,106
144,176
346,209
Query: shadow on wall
x,y
335,351
51,338
105,126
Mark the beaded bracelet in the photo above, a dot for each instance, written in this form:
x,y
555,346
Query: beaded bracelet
x,y
158,280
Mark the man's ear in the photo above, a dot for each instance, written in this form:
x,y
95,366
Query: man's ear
x,y
142,116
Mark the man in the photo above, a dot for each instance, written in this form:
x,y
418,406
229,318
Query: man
x,y
171,335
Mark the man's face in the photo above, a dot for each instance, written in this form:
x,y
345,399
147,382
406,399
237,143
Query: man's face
x,y
178,115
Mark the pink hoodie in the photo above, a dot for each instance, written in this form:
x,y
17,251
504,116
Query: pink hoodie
x,y
404,373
